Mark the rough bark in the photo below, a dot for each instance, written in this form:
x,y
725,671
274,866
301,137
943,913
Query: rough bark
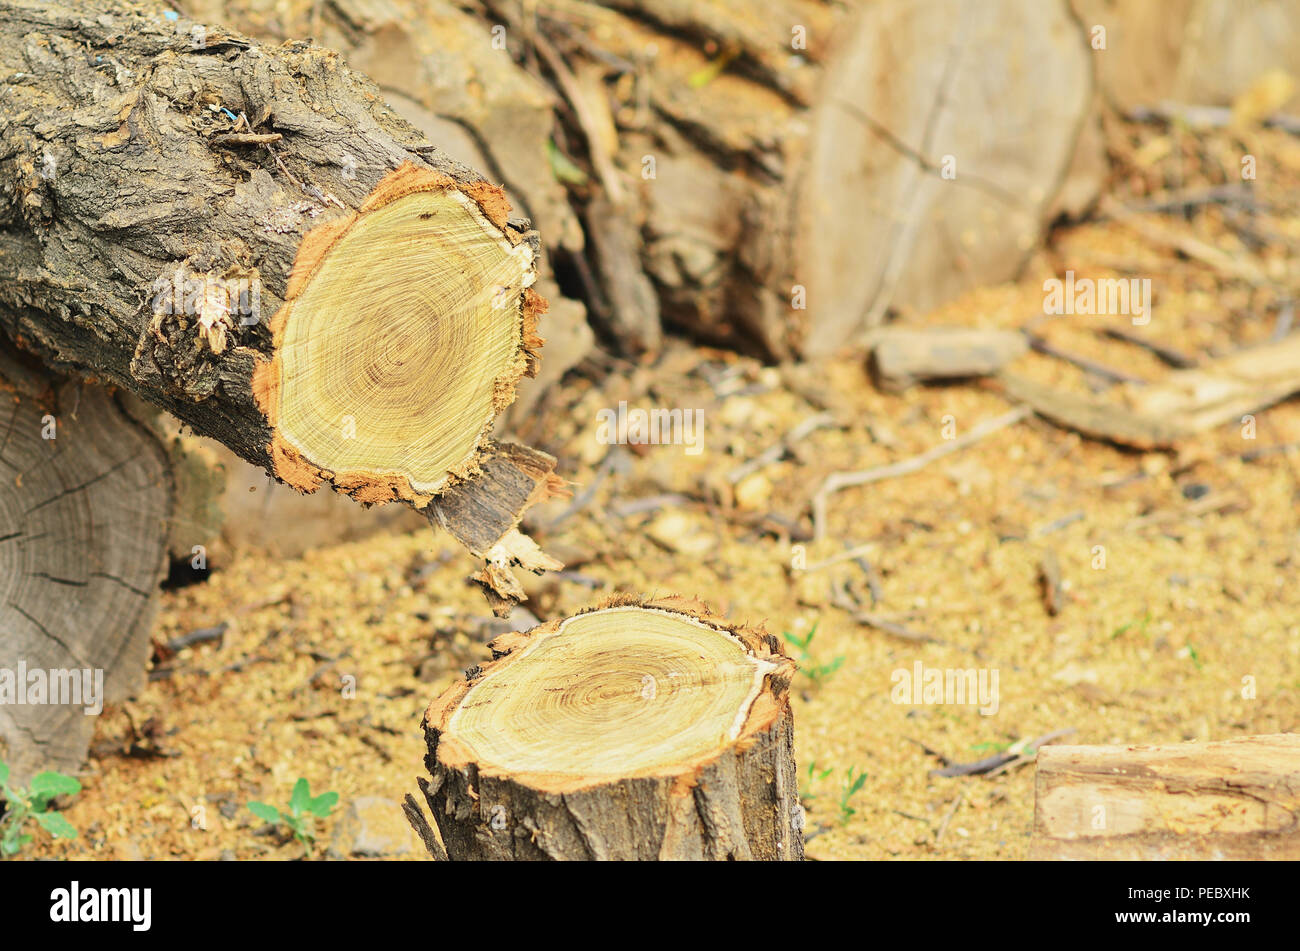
x,y
612,757
171,195
1236,800
86,496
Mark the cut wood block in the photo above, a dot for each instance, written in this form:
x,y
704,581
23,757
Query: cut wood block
x,y
1235,799
636,730
902,357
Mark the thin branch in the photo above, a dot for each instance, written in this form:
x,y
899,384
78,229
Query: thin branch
x,y
844,480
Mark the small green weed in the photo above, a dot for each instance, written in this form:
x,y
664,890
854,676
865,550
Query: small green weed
x,y
815,775
304,810
853,783
34,803
814,671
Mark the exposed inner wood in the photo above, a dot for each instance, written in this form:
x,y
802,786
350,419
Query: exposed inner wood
x,y
618,693
397,355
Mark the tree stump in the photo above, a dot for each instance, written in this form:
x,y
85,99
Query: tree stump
x,y
1236,799
85,500
633,731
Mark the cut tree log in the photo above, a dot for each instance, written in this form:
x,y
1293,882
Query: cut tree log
x,y
247,237
635,731
86,495
1236,800
441,70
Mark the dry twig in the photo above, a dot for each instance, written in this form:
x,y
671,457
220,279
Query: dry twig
x,y
844,480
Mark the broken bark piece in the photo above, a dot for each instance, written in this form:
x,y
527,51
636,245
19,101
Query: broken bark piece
x,y
1096,417
344,307
484,513
635,730
1159,415
1050,584
902,357
1222,391
1235,799
86,497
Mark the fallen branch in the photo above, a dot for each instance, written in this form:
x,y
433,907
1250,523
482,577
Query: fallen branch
x,y
1175,358
1231,800
1198,250
1083,363
841,599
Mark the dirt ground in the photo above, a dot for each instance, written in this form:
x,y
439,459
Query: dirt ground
x,y
1177,572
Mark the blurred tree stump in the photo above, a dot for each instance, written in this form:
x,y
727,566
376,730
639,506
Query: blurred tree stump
x,y
86,498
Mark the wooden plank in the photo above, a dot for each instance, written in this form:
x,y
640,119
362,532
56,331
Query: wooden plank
x,y
1234,799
